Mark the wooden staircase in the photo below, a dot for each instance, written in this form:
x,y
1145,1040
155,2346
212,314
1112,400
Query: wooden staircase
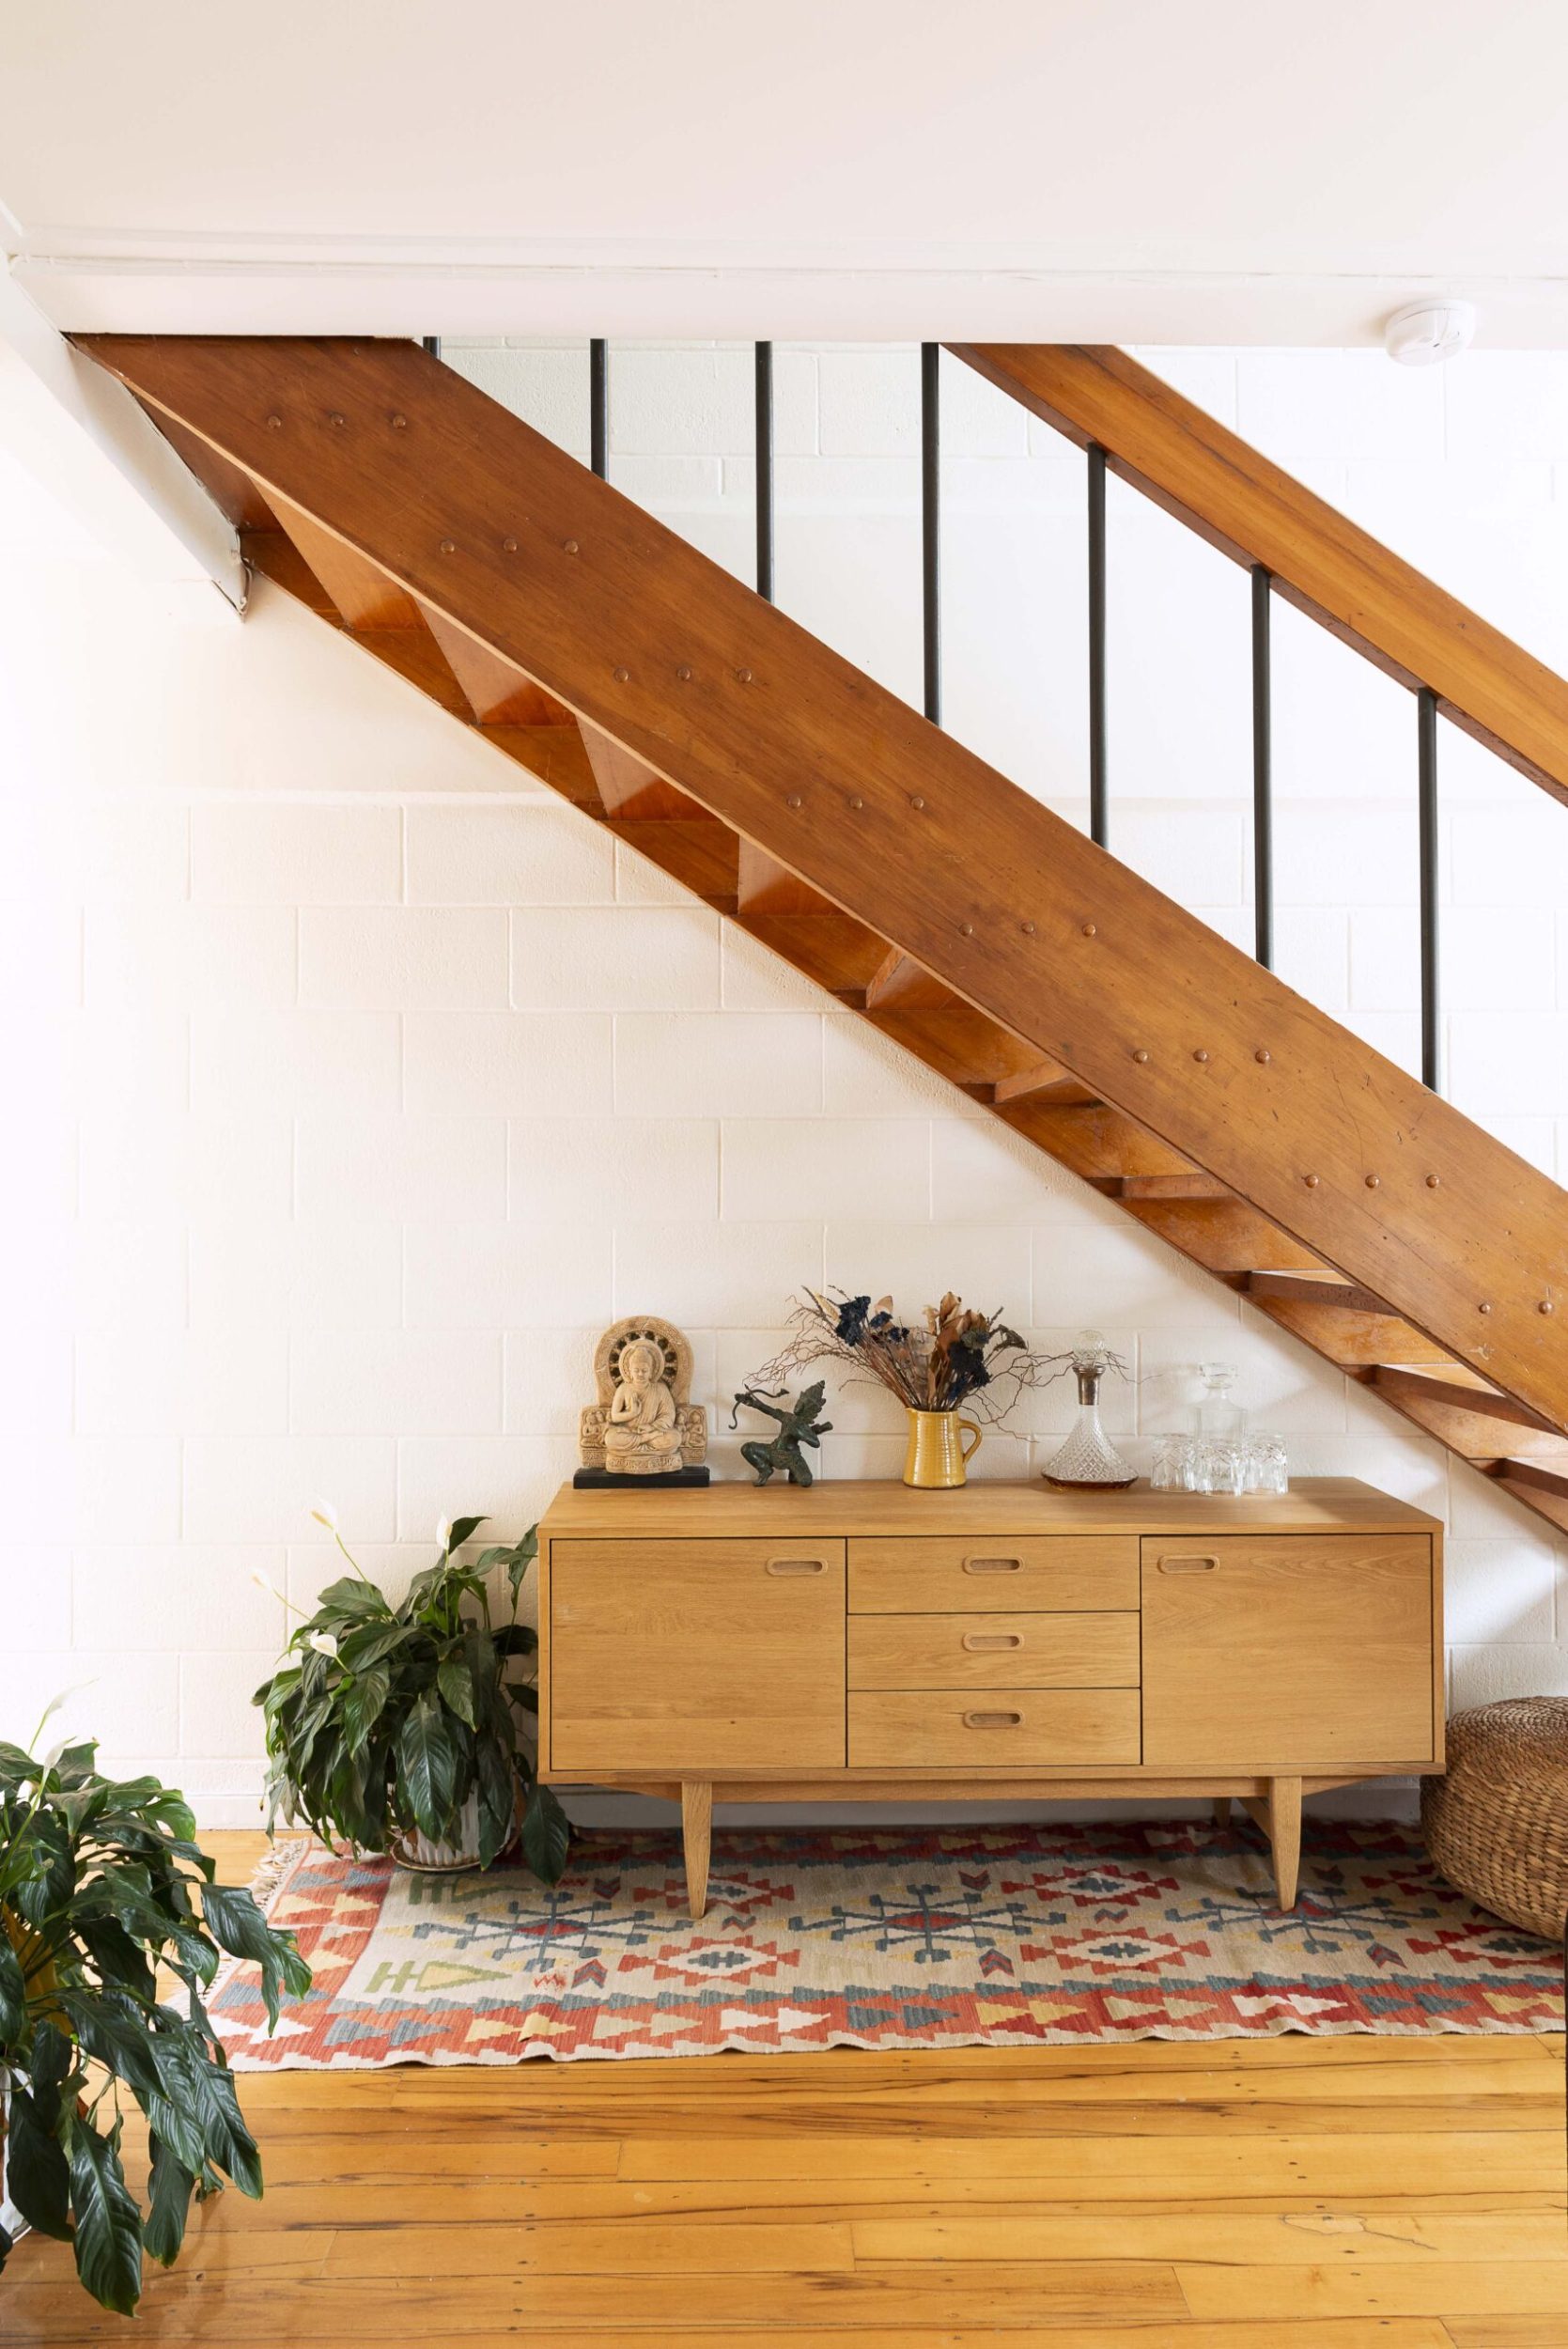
x,y
954,914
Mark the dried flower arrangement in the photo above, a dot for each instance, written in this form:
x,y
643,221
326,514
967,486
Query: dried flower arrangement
x,y
951,1357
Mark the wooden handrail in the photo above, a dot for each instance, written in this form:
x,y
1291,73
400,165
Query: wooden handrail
x,y
478,518
1319,561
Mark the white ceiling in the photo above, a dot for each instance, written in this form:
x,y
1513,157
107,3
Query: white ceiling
x,y
1127,170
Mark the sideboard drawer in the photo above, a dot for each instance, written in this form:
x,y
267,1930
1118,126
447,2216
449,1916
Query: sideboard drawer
x,y
993,1651
696,1656
1012,1572
996,1729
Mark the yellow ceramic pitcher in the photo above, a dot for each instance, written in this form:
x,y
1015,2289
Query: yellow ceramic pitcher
x,y
937,1453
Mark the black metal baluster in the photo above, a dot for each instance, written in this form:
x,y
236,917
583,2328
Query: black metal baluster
x,y
1099,822
1263,770
765,469
1426,749
930,523
598,407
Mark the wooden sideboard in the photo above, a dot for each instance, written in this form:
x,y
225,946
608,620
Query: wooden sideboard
x,y
866,1642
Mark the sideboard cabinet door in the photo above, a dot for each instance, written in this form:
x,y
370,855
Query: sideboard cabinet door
x,y
1287,1653
696,1656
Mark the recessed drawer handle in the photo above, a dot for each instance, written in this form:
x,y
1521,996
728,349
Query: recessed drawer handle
x,y
1188,1565
796,1565
993,1566
976,1640
993,1721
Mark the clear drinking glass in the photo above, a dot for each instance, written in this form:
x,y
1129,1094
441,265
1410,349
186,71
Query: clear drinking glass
x,y
1268,1465
1169,1473
1222,1465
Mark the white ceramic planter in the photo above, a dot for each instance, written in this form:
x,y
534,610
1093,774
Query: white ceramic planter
x,y
421,1856
11,2217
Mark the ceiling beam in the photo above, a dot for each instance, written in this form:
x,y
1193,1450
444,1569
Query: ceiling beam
x,y
374,287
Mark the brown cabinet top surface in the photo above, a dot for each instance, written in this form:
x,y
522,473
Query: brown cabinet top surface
x,y
1315,1504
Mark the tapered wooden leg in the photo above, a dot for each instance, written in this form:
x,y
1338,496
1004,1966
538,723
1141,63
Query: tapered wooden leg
x,y
1221,1811
1285,1836
696,1830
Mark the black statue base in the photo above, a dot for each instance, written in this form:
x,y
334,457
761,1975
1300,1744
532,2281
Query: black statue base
x,y
606,1481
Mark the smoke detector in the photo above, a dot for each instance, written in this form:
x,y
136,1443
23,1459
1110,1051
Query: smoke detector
x,y
1426,332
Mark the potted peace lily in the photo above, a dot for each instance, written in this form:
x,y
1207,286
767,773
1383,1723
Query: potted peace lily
x,y
101,1887
394,1728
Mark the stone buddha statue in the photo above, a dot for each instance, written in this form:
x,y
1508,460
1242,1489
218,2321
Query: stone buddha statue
x,y
644,1423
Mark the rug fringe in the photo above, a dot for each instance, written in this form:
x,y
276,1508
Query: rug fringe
x,y
273,1870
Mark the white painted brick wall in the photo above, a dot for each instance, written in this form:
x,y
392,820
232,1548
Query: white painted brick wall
x,y
359,1082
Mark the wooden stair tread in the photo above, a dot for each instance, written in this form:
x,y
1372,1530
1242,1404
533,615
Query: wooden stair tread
x,y
630,787
498,693
699,852
1194,1186
1316,1289
902,984
364,594
556,755
273,553
835,949
1543,1489
1456,1387
962,1044
1534,1474
1044,1081
765,886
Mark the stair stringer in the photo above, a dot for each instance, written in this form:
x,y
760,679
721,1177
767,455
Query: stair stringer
x,y
476,519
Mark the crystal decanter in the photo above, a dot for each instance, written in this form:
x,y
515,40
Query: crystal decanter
x,y
1089,1461
1217,1414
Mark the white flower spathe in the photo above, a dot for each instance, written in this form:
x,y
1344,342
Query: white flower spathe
x,y
265,1583
324,1514
324,1643
48,1713
444,1534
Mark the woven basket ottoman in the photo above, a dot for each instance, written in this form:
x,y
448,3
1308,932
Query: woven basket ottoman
x,y
1497,1825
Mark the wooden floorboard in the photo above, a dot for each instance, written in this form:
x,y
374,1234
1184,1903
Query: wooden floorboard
x,y
1261,2194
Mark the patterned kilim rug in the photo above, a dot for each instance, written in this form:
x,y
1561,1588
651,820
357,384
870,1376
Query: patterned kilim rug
x,y
1002,1936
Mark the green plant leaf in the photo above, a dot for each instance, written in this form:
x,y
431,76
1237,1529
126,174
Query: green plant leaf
x,y
515,1639
13,1995
349,1597
108,2234
169,2189
455,1681
521,1560
201,2098
363,1702
359,1649
238,1925
38,2176
546,1835
113,2031
498,1794
464,1530
427,1589
50,2068
427,1761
